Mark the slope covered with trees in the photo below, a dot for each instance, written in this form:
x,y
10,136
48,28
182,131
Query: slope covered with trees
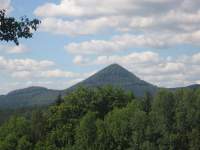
x,y
113,75
109,118
28,97
118,76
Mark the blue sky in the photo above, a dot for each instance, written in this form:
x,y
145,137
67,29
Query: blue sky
x,y
158,40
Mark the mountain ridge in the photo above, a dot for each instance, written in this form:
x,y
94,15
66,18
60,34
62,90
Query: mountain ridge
x,y
118,76
31,88
114,75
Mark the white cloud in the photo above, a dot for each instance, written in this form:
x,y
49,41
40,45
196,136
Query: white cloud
x,y
80,60
58,74
94,47
80,8
30,69
77,27
15,65
85,17
21,74
135,58
195,58
6,4
127,41
150,66
14,49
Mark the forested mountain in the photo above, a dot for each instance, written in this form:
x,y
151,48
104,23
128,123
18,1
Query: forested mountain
x,y
118,76
28,97
113,75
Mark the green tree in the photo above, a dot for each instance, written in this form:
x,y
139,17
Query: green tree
x,y
86,132
138,127
119,127
187,119
163,119
109,98
11,131
9,142
38,125
103,138
24,144
147,102
59,100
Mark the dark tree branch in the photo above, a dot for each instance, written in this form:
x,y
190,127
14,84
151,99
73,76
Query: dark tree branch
x,y
12,29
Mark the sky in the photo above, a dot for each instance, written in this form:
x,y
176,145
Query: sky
x,y
157,40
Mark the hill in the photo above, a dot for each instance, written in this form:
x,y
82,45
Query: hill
x,y
113,75
28,97
118,76
193,86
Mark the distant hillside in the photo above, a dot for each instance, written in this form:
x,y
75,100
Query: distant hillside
x,y
193,86
28,97
118,76
114,75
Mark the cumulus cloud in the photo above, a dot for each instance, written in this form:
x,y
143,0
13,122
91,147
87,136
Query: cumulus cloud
x,y
23,64
30,68
21,74
6,4
16,49
80,60
139,58
195,58
94,47
93,8
85,17
77,27
126,41
150,66
135,58
58,73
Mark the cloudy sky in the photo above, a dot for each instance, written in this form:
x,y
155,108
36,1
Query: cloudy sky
x,y
158,40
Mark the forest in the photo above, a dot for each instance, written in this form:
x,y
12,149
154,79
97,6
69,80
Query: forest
x,y
108,118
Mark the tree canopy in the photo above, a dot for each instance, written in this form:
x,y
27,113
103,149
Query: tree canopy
x,y
109,118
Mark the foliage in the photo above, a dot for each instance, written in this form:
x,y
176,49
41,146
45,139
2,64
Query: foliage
x,y
109,118
13,30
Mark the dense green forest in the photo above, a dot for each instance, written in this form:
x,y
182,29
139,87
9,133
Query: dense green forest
x,y
109,118
6,113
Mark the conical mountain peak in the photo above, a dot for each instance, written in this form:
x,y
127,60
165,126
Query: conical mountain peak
x,y
115,73
117,76
115,65
114,68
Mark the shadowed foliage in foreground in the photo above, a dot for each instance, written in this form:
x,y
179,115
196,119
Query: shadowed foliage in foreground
x,y
109,118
